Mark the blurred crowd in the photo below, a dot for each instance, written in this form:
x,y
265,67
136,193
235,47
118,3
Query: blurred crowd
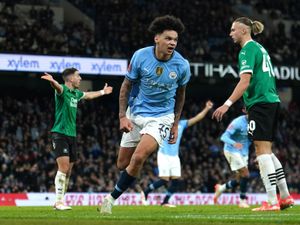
x,y
121,28
27,163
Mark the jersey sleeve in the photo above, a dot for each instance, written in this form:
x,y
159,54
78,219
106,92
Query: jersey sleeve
x,y
186,74
80,94
63,92
133,68
184,123
246,61
226,136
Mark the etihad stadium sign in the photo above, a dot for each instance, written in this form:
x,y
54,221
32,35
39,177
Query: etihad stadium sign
x,y
210,70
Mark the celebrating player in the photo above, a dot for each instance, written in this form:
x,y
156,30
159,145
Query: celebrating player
x,y
161,74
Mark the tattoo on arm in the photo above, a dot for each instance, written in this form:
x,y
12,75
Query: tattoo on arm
x,y
123,97
180,98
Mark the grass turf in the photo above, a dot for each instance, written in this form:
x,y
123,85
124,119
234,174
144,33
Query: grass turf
x,y
136,215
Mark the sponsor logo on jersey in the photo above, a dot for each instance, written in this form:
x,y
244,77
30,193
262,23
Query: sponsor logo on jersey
x,y
73,102
244,62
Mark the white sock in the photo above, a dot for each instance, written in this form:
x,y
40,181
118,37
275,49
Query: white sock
x,y
268,175
60,182
281,181
66,184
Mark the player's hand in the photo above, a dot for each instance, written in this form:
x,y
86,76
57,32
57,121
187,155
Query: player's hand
x,y
125,125
173,134
209,104
219,112
238,145
48,77
107,89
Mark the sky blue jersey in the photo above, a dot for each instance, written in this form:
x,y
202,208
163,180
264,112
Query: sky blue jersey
x,y
236,132
173,149
157,82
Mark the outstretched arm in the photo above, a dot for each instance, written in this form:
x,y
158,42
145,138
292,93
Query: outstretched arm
x,y
59,89
200,115
239,90
95,94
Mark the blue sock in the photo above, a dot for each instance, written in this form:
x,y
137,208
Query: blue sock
x,y
231,184
154,186
243,187
171,190
123,183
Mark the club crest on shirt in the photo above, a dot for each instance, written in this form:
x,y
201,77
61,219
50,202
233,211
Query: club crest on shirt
x,y
172,75
159,70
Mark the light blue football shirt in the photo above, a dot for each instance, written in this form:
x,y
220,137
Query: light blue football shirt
x,y
237,132
157,82
173,149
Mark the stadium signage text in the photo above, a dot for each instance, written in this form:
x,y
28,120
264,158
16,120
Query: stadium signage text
x,y
56,64
210,70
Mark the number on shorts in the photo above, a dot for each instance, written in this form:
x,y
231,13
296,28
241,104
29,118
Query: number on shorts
x,y
163,130
251,127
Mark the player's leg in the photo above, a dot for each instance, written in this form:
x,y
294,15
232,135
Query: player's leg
x,y
235,162
146,146
61,149
68,175
162,181
243,181
163,173
286,200
175,173
63,163
261,128
124,157
73,158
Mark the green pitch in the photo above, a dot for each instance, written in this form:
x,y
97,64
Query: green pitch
x,y
136,215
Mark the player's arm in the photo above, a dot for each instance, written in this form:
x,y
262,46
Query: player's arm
x,y
227,137
200,115
95,94
240,88
54,84
125,124
180,98
237,93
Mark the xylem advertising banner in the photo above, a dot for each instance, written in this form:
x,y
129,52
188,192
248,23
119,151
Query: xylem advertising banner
x,y
94,199
56,64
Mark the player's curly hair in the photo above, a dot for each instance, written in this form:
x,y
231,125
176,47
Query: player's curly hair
x,y
167,22
256,27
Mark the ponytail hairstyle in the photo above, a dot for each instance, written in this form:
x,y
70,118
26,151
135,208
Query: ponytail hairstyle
x,y
255,26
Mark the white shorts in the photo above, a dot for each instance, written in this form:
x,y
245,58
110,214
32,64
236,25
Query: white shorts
x,y
157,127
236,160
168,166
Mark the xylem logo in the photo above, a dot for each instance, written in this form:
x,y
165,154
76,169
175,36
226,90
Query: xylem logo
x,y
22,63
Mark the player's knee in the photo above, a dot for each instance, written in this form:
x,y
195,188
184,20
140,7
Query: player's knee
x,y
64,167
137,160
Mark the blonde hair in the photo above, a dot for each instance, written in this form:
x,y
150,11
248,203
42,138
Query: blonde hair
x,y
255,26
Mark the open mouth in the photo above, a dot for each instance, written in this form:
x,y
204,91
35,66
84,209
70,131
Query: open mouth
x,y
170,49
